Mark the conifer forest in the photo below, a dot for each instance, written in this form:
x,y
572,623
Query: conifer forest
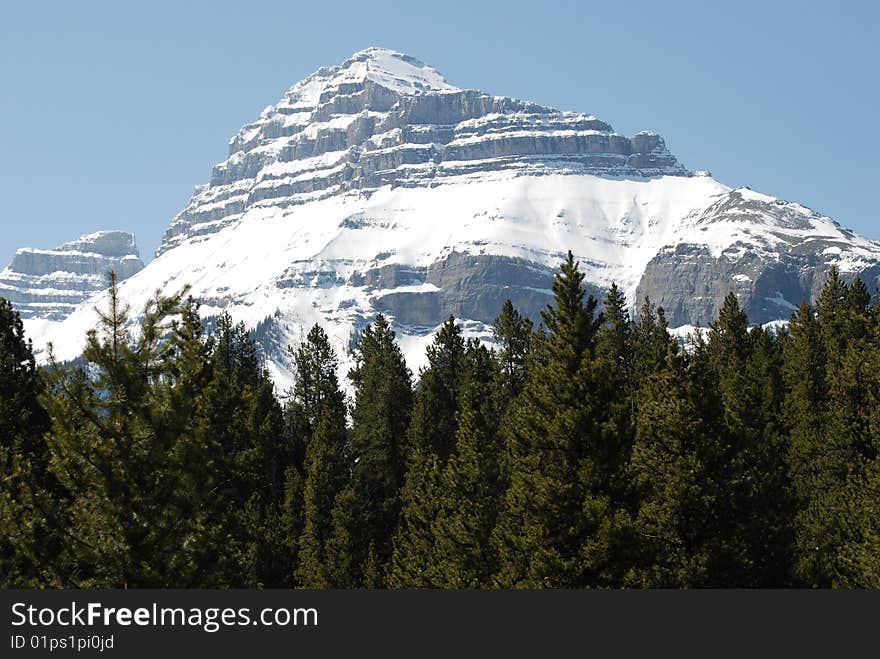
x,y
592,449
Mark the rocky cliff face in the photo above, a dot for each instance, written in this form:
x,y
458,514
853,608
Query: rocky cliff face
x,y
50,283
376,186
772,253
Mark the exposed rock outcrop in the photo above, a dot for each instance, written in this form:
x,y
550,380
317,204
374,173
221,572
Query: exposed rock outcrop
x,y
773,254
49,283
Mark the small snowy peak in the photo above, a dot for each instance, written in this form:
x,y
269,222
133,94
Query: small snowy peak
x,y
397,72
752,216
116,244
402,73
49,283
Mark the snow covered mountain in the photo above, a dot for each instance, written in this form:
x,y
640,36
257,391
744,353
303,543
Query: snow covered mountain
x,y
377,186
49,283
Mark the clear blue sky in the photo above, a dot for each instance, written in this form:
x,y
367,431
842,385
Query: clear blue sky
x,y
111,112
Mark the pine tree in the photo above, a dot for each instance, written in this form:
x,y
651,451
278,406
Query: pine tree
x,y
829,381
22,418
729,351
549,511
26,539
380,419
771,530
859,554
437,396
858,305
413,562
752,538
316,383
341,553
327,462
513,333
668,476
471,483
650,343
292,522
815,466
137,489
832,309
240,416
615,388
431,439
850,447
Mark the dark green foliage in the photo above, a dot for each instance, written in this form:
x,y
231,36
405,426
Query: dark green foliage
x,y
615,388
22,419
674,506
471,483
437,396
380,420
747,459
552,506
514,335
592,452
24,543
831,383
860,553
137,480
432,435
241,415
327,469
650,338
413,560
812,462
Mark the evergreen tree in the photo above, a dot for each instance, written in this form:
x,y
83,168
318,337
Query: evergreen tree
x,y
592,452
513,333
615,390
26,541
244,421
437,396
327,463
815,466
380,419
431,436
849,449
471,483
860,553
137,484
22,418
413,562
752,539
292,521
832,310
671,523
829,381
729,351
771,530
550,512
650,343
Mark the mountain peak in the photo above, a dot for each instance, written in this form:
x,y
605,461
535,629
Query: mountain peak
x,y
397,71
384,118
